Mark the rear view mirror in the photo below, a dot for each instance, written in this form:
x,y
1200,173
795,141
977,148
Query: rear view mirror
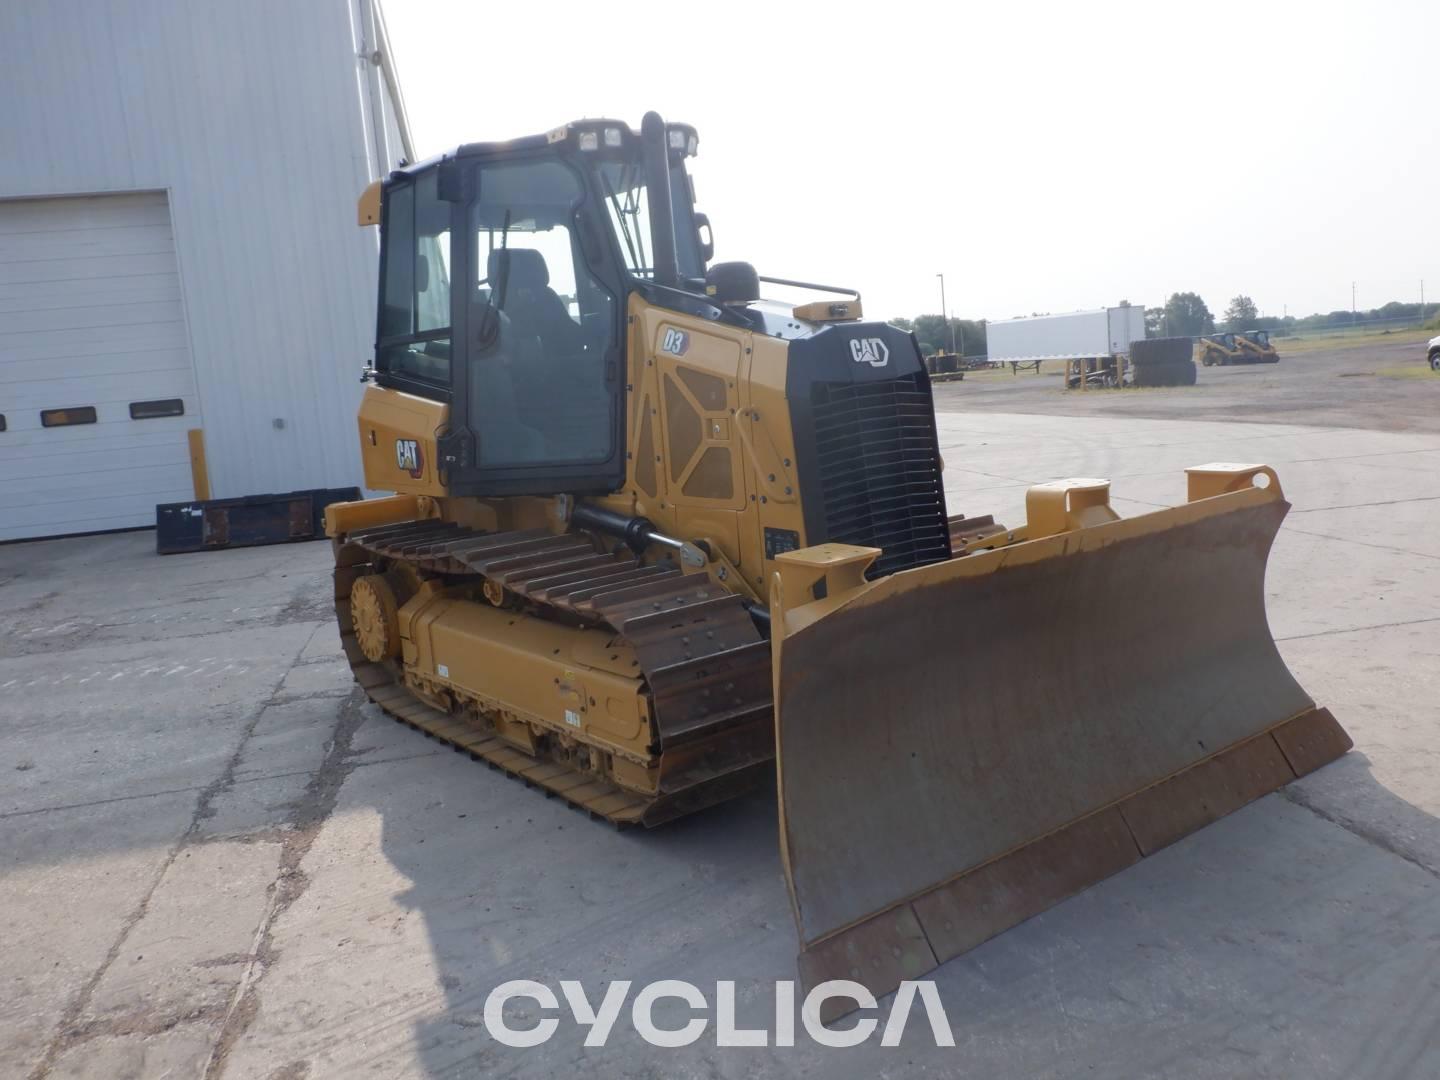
x,y
451,181
707,237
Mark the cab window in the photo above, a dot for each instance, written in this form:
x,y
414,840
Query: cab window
x,y
414,331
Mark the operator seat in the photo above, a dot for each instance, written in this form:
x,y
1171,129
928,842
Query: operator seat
x,y
560,386
505,437
534,308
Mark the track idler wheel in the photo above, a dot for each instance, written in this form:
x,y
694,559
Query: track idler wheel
x,y
376,615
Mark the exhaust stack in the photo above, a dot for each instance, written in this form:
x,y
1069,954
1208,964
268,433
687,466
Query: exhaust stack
x,y
662,214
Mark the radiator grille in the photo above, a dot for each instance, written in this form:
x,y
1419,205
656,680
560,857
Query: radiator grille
x,y
878,465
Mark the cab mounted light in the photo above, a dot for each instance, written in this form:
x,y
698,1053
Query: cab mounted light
x,y
613,137
682,139
589,140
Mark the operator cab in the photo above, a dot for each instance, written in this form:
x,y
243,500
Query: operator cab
x,y
549,235
1259,337
506,270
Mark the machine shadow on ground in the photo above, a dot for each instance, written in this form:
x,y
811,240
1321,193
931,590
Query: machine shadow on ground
x,y
703,899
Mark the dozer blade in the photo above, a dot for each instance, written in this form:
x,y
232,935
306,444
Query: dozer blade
x,y
964,745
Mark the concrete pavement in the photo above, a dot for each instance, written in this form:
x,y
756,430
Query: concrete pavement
x,y
215,861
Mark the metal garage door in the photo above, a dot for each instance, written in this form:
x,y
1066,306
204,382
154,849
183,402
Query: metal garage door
x,y
97,388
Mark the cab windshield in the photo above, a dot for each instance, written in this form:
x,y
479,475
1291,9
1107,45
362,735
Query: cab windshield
x,y
621,186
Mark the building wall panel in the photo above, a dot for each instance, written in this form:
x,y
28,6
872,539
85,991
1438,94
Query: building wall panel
x,y
254,119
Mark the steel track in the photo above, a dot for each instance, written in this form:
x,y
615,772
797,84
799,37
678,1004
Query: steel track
x,y
705,665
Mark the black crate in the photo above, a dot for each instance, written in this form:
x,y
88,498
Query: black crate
x,y
247,521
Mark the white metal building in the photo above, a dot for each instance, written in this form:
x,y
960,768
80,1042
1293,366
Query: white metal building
x,y
179,252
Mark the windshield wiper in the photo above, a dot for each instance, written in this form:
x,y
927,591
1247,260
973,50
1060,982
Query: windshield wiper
x,y
619,218
489,330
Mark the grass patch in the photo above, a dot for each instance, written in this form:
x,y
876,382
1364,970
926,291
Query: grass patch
x,y
1408,371
1301,345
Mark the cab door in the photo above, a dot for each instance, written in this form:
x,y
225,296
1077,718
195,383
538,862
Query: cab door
x,y
537,395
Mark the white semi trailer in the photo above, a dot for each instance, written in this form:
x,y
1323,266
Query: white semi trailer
x,y
1077,335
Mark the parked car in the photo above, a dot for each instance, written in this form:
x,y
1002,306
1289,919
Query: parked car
x,y
1435,353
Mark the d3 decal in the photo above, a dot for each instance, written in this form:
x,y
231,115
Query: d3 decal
x,y
675,342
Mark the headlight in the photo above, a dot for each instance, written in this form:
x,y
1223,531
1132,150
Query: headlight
x,y
589,140
612,136
694,144
677,139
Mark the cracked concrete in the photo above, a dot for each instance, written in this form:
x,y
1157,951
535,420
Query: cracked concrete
x,y
311,812
216,862
166,988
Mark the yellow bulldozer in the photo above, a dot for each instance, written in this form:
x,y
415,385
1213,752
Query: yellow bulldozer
x,y
654,539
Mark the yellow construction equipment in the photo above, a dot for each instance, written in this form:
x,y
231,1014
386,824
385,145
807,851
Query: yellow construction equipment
x,y
1218,349
1250,347
1256,346
655,538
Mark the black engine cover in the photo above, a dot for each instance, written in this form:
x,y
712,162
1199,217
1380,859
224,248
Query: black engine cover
x,y
867,450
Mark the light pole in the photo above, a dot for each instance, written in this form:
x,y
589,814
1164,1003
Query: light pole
x,y
945,312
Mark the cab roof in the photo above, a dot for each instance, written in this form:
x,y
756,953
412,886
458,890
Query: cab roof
x,y
611,137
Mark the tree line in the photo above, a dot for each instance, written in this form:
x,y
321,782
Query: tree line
x,y
935,335
1185,314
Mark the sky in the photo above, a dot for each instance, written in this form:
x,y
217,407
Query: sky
x,y
1043,157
